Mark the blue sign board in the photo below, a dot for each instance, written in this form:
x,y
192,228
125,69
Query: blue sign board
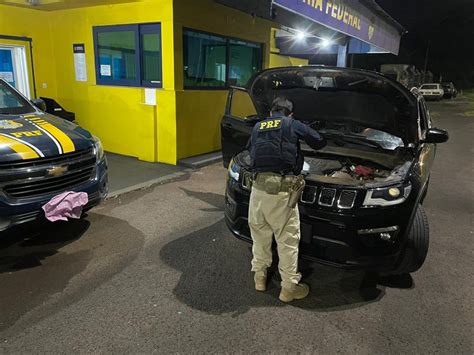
x,y
350,17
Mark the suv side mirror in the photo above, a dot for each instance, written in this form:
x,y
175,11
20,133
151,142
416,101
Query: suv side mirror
x,y
436,135
39,103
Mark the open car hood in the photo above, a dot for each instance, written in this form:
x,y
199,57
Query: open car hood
x,y
347,98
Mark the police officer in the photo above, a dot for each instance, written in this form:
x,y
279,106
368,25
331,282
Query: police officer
x,y
276,164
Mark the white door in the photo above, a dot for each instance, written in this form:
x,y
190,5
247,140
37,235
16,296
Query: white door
x,y
14,68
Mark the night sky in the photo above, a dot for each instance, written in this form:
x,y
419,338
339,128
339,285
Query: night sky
x,y
448,28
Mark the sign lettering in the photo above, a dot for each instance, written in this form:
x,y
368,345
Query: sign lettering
x,y
350,17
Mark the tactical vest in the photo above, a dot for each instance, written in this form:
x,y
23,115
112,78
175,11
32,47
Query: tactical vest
x,y
274,147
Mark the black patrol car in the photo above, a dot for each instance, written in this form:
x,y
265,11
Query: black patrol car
x,y
41,156
362,204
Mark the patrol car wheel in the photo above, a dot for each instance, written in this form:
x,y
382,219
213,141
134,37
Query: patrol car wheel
x,y
417,245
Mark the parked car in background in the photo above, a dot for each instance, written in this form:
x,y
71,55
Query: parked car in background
x,y
42,156
362,204
405,74
431,91
449,90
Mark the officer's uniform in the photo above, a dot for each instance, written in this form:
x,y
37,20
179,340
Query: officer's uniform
x,y
276,161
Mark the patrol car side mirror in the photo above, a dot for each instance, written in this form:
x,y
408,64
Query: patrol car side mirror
x,y
39,103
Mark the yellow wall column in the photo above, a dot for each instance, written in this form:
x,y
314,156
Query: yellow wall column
x,y
166,102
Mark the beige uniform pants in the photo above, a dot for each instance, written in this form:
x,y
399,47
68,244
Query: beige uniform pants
x,y
270,215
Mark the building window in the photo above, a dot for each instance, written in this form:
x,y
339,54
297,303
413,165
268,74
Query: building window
x,y
128,55
150,39
213,61
244,61
204,60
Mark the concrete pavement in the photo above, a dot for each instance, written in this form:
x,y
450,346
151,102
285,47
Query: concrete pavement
x,y
158,271
129,174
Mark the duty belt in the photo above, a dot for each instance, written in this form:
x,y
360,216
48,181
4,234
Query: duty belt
x,y
273,183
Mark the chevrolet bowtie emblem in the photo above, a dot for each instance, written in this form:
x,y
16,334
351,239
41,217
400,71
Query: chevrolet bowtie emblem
x,y
57,170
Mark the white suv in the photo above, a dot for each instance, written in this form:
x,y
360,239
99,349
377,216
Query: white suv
x,y
432,91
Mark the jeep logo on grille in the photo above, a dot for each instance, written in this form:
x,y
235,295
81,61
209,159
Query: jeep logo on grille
x,y
56,171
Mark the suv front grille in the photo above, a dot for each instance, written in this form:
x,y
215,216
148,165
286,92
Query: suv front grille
x,y
327,196
27,179
346,200
47,186
309,194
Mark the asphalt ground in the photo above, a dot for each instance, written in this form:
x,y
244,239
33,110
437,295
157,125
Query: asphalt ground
x,y
158,271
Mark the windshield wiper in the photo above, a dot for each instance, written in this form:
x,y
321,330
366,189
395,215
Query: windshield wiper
x,y
358,82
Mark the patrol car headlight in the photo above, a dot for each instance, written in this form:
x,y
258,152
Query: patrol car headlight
x,y
234,170
99,150
387,196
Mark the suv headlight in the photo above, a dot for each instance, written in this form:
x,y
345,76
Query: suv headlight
x,y
234,170
387,196
98,149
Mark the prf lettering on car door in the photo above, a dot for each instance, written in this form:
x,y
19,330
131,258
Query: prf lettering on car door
x,y
268,125
26,134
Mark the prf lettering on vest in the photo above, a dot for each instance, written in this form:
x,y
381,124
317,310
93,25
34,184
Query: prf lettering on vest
x,y
270,124
27,134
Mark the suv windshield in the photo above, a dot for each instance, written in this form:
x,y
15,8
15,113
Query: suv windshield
x,y
429,87
12,103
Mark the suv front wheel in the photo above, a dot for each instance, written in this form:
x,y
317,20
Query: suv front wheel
x,y
416,250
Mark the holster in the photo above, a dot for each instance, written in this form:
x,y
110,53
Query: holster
x,y
296,191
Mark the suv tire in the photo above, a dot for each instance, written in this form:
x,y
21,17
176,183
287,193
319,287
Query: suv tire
x,y
416,250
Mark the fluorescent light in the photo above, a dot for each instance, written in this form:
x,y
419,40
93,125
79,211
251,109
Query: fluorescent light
x,y
325,42
301,35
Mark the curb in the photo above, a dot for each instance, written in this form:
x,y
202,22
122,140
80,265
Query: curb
x,y
148,184
201,161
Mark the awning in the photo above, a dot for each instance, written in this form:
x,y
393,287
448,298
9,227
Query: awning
x,y
361,19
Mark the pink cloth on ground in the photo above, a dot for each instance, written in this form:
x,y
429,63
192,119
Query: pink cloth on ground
x,y
66,205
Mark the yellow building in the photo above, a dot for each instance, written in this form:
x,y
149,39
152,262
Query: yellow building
x,y
180,53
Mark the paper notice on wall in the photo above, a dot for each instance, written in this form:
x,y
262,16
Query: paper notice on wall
x,y
105,70
80,66
150,97
7,76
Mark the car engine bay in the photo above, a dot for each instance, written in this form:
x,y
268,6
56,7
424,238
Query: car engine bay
x,y
351,171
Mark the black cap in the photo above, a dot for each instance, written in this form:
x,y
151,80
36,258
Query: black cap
x,y
282,105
